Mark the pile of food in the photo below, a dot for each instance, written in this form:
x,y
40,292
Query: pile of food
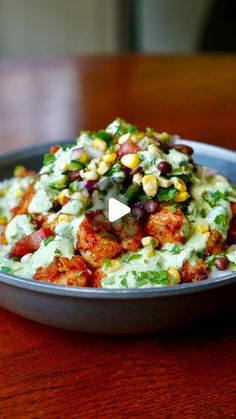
x,y
54,224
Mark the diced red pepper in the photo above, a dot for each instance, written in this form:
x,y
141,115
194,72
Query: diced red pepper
x,y
54,149
30,243
128,148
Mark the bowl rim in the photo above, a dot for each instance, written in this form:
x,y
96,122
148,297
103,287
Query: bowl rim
x,y
117,293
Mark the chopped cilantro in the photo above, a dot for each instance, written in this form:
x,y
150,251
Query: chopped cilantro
x,y
167,194
5,269
203,213
105,136
124,282
218,195
220,220
48,240
49,158
176,250
67,147
153,277
129,258
106,263
57,252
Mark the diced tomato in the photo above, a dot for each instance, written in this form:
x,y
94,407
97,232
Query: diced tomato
x,y
30,243
54,149
128,148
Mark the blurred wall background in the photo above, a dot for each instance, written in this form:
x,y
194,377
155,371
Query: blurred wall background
x,y
35,27
44,27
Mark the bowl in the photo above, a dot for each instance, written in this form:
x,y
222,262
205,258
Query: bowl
x,y
118,311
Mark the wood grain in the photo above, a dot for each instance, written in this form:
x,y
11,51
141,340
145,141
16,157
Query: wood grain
x,y
46,372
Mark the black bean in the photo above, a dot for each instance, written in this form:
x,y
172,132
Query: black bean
x,y
151,206
138,210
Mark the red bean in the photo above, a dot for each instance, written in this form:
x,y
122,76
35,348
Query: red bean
x,y
221,263
164,167
75,175
185,149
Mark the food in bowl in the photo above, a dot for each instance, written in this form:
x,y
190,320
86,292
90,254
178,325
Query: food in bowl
x,y
54,225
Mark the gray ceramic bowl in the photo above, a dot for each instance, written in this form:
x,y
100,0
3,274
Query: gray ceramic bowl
x,y
118,311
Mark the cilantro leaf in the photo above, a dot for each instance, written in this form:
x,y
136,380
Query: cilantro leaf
x,y
106,263
48,240
129,258
124,282
105,136
49,158
176,250
153,277
57,252
217,196
220,220
5,269
167,194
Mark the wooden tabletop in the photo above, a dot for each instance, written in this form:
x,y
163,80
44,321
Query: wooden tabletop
x,y
47,372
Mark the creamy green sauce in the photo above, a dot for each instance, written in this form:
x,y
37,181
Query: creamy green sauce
x,y
210,204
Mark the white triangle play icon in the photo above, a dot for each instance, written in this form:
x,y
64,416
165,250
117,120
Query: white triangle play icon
x,y
116,209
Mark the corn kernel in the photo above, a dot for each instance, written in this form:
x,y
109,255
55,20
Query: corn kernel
x,y
150,185
84,157
19,193
124,138
19,171
130,160
149,241
153,149
137,178
179,184
202,227
182,196
109,158
102,168
173,276
164,183
3,191
65,193
100,144
115,265
3,220
65,218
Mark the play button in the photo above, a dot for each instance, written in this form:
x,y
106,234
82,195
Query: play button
x,y
116,209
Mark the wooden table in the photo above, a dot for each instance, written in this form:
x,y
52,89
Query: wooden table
x,y
53,373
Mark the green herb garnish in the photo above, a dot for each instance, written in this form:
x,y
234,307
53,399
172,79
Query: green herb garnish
x,y
129,258
49,158
167,194
105,136
124,282
48,240
106,263
176,250
5,269
221,220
